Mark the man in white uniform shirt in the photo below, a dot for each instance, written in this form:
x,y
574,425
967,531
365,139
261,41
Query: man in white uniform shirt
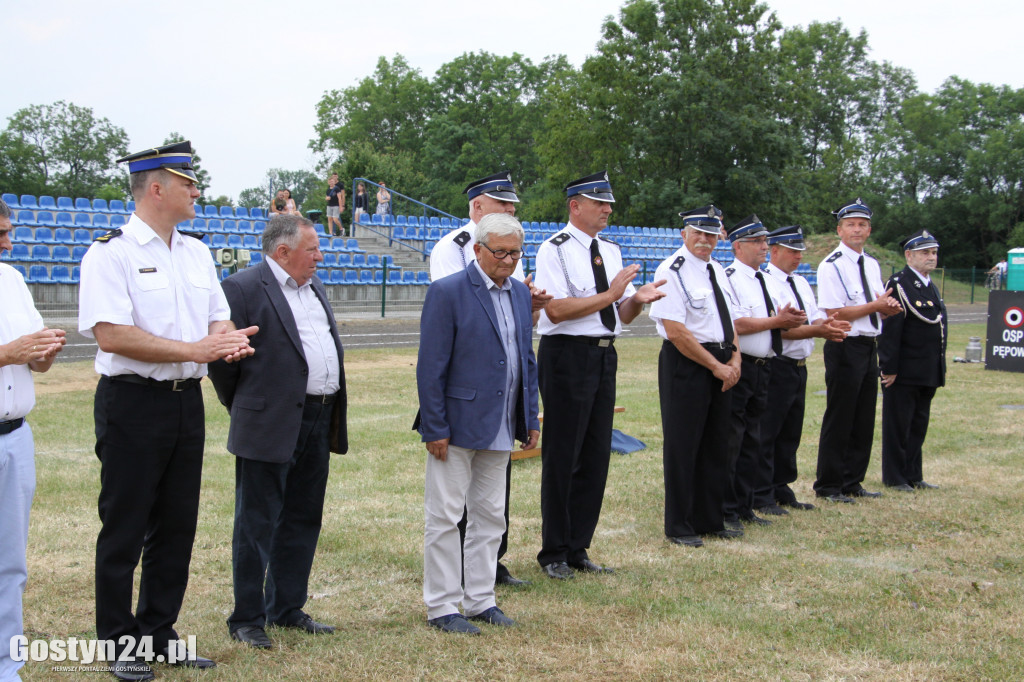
x,y
782,422
698,366
26,346
850,287
150,297
593,296
763,312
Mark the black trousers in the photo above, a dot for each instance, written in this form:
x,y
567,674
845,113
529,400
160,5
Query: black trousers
x,y
905,414
150,445
501,570
694,415
781,427
746,461
848,425
278,514
577,384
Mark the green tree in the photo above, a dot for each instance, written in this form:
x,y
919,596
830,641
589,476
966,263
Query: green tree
x,y
62,149
202,175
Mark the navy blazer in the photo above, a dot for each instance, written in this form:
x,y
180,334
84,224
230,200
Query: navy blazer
x,y
265,393
461,372
909,347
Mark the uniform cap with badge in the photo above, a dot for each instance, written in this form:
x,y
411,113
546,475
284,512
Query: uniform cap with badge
x,y
791,236
748,228
920,240
704,219
175,158
594,187
854,209
498,186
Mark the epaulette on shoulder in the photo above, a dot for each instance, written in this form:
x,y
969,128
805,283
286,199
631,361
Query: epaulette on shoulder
x,y
677,263
729,271
194,235
462,238
107,236
834,257
605,239
560,239
896,276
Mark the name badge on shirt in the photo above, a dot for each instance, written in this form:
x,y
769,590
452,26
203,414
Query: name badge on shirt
x,y
146,270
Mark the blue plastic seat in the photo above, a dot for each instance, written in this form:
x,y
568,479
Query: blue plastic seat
x,y
398,233
100,206
25,217
28,201
227,212
63,235
235,241
83,236
46,219
11,200
38,274
408,277
251,242
66,204
199,224
364,219
47,203
359,260
373,261
208,211
394,277
365,277
330,259
323,274
399,220
78,252
325,243
130,207
76,274
245,227
344,260
61,274
320,229
41,253
23,235
19,251
258,226
422,277
44,235
241,213
255,258
117,206
213,225
257,214
217,241
351,277
21,268
377,219
388,260
353,245
378,277
337,277
101,221
230,226
64,219
117,221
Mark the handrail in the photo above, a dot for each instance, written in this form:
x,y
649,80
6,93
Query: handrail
x,y
426,207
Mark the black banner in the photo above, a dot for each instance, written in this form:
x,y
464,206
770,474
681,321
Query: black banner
x,y
1004,348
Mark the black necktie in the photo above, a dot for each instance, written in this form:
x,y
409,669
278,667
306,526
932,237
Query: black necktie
x,y
776,333
799,301
867,290
601,282
723,311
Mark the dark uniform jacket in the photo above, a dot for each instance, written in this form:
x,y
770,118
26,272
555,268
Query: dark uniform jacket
x,y
913,343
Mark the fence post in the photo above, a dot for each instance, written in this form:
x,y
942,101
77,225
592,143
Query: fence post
x,y
973,268
384,288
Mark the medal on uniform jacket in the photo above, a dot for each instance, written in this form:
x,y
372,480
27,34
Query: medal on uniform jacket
x,y
598,262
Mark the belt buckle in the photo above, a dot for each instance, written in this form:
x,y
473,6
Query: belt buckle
x,y
604,343
174,385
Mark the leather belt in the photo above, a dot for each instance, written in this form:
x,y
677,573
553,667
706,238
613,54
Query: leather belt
x,y
754,359
791,361
168,385
326,399
719,345
12,425
860,340
601,341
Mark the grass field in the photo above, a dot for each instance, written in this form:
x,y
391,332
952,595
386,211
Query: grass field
x,y
922,586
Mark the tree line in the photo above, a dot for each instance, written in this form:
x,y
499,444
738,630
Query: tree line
x,y
684,102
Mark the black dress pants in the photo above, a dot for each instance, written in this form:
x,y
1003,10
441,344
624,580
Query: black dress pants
x,y
150,445
746,465
577,384
905,414
694,420
278,513
781,427
848,425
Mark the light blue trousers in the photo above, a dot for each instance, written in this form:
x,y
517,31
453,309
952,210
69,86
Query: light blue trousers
x,y
17,485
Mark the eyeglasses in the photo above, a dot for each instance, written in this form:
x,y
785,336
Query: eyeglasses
x,y
500,254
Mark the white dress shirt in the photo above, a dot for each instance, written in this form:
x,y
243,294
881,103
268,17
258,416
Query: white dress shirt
x,y
797,349
689,298
19,317
839,286
749,297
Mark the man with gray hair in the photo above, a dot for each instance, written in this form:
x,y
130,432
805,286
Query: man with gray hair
x,y
477,383
288,406
26,346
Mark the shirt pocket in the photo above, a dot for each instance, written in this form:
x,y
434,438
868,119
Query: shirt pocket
x,y
461,392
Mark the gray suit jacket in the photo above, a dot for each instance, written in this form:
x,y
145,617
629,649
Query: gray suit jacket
x,y
265,393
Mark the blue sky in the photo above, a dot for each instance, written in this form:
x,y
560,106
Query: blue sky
x,y
242,79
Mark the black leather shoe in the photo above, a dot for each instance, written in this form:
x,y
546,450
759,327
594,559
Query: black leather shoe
x,y
559,571
902,487
510,581
733,525
773,510
804,506
252,635
757,520
454,622
728,533
839,497
182,657
925,485
688,540
131,671
860,492
309,625
494,616
588,566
